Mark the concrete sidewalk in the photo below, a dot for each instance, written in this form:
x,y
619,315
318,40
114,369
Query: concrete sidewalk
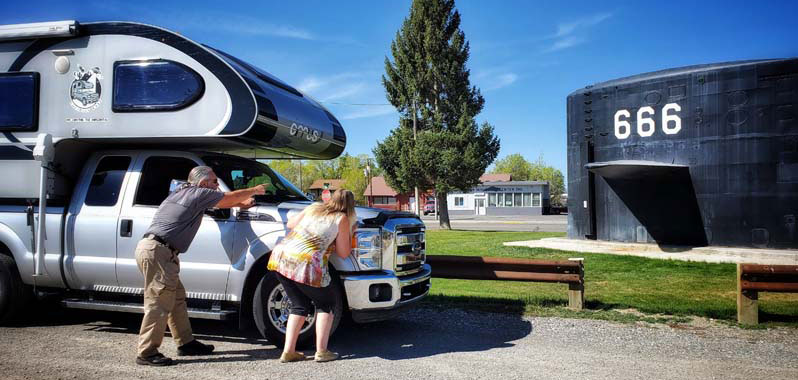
x,y
703,254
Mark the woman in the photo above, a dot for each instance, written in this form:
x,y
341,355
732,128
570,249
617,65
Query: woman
x,y
300,263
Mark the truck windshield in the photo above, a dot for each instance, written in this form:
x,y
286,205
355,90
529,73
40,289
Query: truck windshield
x,y
239,173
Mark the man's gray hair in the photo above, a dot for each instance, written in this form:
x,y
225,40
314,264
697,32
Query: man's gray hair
x,y
198,174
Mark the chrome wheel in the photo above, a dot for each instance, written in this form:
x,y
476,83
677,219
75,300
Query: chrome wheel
x,y
278,307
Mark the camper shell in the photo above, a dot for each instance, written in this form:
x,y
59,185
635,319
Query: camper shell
x,y
130,84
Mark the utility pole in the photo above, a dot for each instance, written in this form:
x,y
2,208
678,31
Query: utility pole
x,y
415,188
367,173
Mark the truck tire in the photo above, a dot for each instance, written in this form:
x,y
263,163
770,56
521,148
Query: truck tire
x,y
270,307
12,290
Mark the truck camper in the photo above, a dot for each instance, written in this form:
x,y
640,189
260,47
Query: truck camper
x,y
97,119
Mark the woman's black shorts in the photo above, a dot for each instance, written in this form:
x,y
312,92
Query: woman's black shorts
x,y
301,296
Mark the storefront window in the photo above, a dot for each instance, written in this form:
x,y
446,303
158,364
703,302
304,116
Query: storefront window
x,y
384,200
508,200
527,199
500,201
535,199
517,200
492,200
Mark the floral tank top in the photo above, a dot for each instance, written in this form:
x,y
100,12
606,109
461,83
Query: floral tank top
x,y
303,254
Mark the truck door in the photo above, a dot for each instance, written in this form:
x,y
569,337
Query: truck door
x,y
204,267
91,227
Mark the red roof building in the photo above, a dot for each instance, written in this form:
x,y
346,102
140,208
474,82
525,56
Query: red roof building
x,y
380,195
320,185
495,177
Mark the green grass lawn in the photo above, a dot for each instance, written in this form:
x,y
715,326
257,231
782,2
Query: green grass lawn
x,y
663,290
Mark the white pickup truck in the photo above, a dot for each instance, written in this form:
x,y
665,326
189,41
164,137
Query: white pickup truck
x,y
100,156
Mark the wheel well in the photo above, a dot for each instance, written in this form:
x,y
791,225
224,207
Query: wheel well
x,y
4,250
245,321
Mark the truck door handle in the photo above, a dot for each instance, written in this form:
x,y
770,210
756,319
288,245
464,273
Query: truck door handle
x,y
126,228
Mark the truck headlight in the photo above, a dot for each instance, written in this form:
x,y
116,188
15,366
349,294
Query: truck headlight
x,y
367,248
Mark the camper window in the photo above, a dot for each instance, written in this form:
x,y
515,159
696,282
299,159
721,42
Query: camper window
x,y
19,102
107,181
155,85
156,176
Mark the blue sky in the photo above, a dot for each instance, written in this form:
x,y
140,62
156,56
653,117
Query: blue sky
x,y
526,56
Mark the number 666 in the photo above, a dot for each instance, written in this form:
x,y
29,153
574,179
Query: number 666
x,y
671,124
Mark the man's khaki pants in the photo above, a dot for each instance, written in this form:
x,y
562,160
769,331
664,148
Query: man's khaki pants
x,y
164,297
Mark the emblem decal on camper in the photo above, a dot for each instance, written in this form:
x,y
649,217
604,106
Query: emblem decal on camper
x,y
311,134
86,90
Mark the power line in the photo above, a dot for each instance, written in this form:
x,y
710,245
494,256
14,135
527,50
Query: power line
x,y
356,104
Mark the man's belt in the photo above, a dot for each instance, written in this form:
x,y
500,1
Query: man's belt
x,y
160,240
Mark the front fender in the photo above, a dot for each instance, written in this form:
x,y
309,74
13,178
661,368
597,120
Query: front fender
x,y
19,251
252,247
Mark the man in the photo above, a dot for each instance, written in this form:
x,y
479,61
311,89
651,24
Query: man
x,y
173,228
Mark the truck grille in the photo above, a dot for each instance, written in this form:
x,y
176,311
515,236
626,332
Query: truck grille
x,y
411,249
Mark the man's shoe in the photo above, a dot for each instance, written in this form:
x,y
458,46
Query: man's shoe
x,y
325,356
194,348
157,360
288,357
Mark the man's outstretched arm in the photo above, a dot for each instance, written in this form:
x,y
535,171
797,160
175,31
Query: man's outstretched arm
x,y
239,198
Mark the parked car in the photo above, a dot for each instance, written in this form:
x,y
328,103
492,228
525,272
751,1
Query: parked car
x,y
429,207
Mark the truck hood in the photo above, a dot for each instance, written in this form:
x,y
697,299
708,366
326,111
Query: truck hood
x,y
367,216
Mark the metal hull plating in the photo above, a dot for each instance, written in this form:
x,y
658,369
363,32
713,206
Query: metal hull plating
x,y
702,155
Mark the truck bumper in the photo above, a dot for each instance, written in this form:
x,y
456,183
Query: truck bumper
x,y
374,297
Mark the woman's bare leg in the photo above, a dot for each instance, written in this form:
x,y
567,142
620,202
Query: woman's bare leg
x,y
295,323
323,325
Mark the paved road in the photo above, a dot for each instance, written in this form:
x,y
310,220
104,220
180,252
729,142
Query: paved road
x,y
542,223
423,344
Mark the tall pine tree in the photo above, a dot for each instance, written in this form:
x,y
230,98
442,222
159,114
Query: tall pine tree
x,y
438,144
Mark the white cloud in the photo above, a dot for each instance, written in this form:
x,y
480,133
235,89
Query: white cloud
x,y
501,80
334,87
565,43
494,78
567,28
252,27
568,33
344,92
372,111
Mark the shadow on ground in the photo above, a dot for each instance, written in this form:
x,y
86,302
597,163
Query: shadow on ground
x,y
418,332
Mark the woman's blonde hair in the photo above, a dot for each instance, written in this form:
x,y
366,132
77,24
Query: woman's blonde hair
x,y
342,201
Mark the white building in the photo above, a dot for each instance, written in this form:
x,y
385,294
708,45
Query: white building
x,y
502,198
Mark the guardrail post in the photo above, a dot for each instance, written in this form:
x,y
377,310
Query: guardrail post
x,y
747,302
576,291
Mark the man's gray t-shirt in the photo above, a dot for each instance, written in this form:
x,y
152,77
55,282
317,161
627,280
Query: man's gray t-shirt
x,y
180,214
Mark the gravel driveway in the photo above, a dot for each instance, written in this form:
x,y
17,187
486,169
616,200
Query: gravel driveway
x,y
423,344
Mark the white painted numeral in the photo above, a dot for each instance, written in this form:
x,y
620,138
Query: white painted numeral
x,y
643,121
666,119
627,128
671,124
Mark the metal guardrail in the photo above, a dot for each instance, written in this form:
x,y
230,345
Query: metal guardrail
x,y
570,272
755,278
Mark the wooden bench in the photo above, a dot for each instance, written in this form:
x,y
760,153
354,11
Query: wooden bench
x,y
571,272
755,278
